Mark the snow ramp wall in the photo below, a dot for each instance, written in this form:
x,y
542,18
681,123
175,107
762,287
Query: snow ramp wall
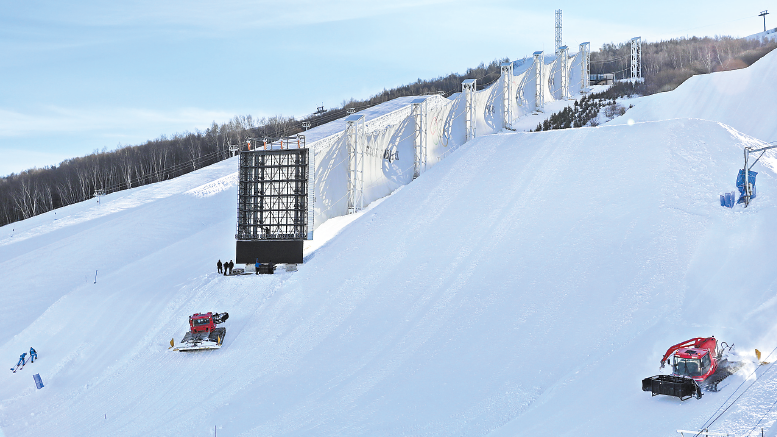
x,y
388,141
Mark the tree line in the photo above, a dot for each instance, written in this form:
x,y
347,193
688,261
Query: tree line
x,y
667,64
37,191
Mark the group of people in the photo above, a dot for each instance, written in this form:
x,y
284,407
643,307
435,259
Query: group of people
x,y
225,268
23,357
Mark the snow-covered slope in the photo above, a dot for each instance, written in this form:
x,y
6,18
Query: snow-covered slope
x,y
522,286
744,99
527,277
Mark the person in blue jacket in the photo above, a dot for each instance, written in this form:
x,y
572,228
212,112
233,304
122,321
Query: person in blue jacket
x,y
257,266
21,359
33,355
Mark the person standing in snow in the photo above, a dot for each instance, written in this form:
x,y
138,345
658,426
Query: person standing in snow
x,y
218,266
21,359
257,266
33,355
231,264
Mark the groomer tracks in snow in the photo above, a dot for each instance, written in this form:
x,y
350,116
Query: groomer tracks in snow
x,y
523,286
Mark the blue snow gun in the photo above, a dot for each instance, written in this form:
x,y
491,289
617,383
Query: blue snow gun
x,y
744,196
746,177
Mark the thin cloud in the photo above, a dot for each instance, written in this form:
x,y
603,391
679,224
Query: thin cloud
x,y
113,121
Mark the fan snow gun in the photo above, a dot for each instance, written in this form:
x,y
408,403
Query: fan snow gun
x,y
746,177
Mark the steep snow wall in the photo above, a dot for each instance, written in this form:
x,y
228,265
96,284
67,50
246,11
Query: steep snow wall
x,y
388,137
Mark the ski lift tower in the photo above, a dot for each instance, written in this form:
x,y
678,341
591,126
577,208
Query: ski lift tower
x,y
764,14
746,178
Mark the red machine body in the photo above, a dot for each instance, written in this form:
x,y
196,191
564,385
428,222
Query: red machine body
x,y
201,322
696,358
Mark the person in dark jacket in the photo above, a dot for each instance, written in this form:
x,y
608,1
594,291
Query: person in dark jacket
x,y
33,355
231,265
218,265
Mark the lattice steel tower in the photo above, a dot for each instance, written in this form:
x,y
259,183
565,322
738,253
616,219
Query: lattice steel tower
x,y
468,88
562,58
559,42
585,65
539,96
419,143
507,92
354,133
636,58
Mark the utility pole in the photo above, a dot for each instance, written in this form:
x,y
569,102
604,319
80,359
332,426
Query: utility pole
x,y
764,14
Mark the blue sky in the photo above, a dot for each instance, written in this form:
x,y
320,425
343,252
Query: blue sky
x,y
87,75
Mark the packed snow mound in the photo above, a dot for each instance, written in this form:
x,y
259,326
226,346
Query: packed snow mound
x,y
743,99
523,286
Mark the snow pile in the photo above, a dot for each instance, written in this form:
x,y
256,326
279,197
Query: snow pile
x,y
743,99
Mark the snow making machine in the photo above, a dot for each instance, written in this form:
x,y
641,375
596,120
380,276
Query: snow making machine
x,y
203,333
697,364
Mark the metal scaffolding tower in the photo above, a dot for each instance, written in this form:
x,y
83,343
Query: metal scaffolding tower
x,y
274,209
559,42
539,97
507,91
585,66
636,57
468,88
419,145
562,56
354,133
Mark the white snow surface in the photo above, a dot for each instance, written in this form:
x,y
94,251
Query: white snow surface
x,y
524,285
743,99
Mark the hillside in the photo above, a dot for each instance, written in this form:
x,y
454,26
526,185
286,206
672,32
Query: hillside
x,y
743,99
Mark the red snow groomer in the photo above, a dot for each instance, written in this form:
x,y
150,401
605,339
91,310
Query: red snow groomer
x,y
203,333
697,364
